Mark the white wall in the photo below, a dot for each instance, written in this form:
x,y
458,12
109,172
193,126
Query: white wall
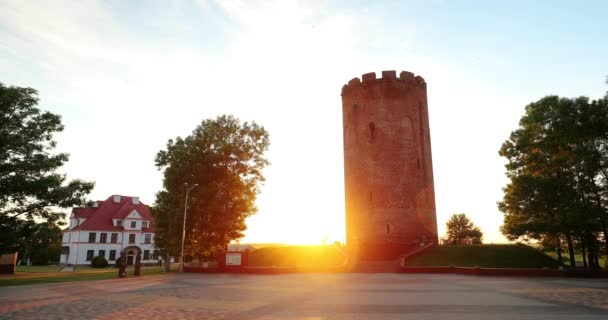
x,y
78,241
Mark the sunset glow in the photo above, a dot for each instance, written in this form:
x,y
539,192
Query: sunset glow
x,y
127,79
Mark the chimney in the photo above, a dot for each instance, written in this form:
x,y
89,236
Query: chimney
x,y
135,200
116,199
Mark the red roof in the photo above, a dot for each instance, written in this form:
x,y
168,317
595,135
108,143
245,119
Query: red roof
x,y
83,212
100,218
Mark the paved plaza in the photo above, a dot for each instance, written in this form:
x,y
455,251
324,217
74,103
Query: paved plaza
x,y
310,297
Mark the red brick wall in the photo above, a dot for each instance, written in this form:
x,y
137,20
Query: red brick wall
x,y
388,171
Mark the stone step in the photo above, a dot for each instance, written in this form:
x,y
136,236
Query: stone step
x,y
377,266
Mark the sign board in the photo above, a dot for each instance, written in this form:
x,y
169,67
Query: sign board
x,y
8,263
233,258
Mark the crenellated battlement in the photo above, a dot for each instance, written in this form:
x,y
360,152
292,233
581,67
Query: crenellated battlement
x,y
388,75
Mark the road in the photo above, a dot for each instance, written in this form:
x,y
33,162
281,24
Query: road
x,y
310,297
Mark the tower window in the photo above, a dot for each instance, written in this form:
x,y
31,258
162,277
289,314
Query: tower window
x,y
388,228
372,132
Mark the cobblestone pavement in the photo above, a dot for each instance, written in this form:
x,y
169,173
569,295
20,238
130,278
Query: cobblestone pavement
x,y
310,297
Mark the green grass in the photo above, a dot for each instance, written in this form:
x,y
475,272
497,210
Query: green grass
x,y
578,259
39,269
57,268
83,273
57,278
485,256
296,256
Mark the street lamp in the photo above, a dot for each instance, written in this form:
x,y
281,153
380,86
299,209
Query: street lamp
x,y
181,267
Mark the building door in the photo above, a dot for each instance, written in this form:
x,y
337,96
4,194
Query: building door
x,y
65,255
130,257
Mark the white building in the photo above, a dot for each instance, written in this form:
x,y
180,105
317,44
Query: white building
x,y
118,224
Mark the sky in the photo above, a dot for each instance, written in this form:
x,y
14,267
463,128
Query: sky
x,y
126,76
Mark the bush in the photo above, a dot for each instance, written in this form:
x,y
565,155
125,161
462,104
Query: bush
x,y
39,258
118,263
99,262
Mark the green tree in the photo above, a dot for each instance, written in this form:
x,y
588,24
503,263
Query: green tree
x,y
461,230
29,183
31,189
35,242
15,235
557,169
44,243
225,158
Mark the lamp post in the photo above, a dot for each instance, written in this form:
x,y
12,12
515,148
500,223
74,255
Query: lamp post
x,y
181,267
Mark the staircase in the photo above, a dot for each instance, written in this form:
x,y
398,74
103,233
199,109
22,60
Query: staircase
x,y
387,266
382,264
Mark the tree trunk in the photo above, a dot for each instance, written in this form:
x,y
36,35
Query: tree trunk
x,y
560,261
592,251
605,230
596,249
584,252
571,251
596,265
167,263
598,202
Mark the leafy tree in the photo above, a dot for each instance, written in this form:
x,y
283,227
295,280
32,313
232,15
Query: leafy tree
x,y
461,230
38,243
30,186
225,158
31,190
16,235
45,243
557,161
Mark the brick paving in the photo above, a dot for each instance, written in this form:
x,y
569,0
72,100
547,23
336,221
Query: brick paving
x,y
309,296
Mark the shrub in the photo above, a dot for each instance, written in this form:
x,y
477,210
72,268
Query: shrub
x,y
118,263
39,258
99,262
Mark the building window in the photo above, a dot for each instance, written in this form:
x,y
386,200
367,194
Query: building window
x,y
148,238
112,255
102,253
103,237
89,255
92,237
133,224
146,254
114,238
119,223
131,238
144,224
372,132
155,254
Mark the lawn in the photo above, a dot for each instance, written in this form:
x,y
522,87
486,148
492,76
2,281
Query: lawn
x,y
485,256
49,274
57,268
39,269
577,258
297,256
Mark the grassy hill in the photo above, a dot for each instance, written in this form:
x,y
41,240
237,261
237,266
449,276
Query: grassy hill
x,y
485,256
296,256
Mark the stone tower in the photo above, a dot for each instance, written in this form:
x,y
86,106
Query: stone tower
x,y
388,171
